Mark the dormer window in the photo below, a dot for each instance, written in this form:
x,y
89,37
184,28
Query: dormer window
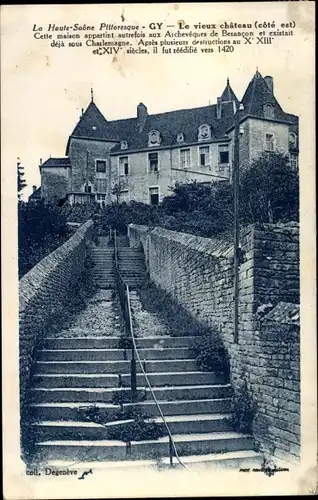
x,y
154,138
87,188
204,132
292,140
180,137
123,145
268,111
93,127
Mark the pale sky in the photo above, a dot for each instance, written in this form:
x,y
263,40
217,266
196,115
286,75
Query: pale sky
x,y
44,88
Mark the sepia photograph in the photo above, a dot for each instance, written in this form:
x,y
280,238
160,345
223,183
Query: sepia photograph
x,y
160,314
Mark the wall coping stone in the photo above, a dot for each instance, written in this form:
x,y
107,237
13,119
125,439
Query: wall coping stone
x,y
31,282
284,312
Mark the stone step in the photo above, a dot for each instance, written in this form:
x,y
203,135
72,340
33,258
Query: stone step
x,y
113,342
102,257
103,273
111,354
112,380
103,270
102,249
233,460
105,286
132,269
112,366
69,411
133,273
134,282
129,251
99,395
192,424
186,444
101,261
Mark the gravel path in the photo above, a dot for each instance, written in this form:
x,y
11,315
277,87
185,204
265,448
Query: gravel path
x,y
99,318
146,324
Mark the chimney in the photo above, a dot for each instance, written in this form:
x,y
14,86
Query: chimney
x,y
142,114
34,188
270,83
218,108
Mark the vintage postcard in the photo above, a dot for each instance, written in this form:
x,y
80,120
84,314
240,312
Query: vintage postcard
x,y
158,250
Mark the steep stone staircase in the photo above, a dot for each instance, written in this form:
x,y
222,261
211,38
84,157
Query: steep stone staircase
x,y
85,365
84,371
130,260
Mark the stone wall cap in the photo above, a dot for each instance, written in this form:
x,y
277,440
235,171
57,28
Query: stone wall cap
x,y
31,281
284,312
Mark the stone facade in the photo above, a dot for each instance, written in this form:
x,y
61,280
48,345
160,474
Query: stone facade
x,y
42,292
55,183
198,273
147,155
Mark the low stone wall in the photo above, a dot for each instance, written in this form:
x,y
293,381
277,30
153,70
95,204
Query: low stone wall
x,y
42,292
276,381
198,273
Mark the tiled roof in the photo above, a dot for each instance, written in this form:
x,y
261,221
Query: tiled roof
x,y
56,162
36,195
171,123
257,95
228,94
93,125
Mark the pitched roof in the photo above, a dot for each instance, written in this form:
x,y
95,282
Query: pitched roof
x,y
171,123
36,195
257,95
228,94
56,162
93,125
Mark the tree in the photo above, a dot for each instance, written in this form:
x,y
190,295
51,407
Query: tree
x,y
21,184
269,190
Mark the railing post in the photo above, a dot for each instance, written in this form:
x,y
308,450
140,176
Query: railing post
x,y
170,451
133,375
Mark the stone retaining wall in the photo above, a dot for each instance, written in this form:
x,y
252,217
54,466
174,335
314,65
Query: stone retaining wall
x,y
198,273
42,292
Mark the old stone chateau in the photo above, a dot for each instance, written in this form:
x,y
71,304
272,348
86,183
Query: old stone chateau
x,y
140,158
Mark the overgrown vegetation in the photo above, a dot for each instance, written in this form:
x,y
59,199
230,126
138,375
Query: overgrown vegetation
x,y
76,301
207,347
269,192
178,320
121,397
243,407
130,424
21,183
210,353
41,229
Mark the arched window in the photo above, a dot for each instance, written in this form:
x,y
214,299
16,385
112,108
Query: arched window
x,y
268,111
123,145
154,138
204,132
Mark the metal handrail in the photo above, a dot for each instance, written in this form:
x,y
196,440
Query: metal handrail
x,y
124,295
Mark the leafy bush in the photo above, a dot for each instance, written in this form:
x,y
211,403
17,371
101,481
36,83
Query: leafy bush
x,y
269,190
125,396
243,408
210,353
41,229
133,425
